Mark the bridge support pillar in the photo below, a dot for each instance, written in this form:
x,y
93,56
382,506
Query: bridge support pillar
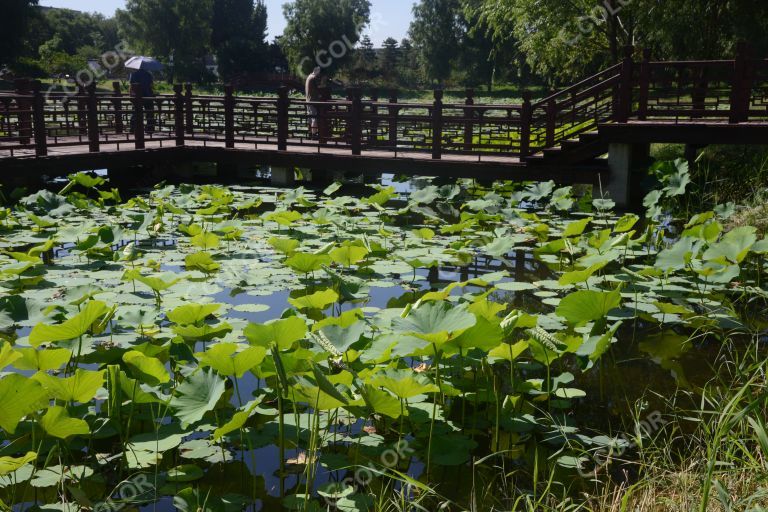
x,y
283,176
627,163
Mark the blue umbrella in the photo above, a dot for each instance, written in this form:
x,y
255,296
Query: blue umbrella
x,y
145,63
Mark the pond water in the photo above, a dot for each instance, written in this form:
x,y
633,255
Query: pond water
x,y
302,349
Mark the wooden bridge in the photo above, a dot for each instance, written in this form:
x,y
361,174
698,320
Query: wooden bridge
x,y
561,137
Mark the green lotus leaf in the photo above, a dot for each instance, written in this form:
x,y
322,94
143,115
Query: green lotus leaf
x,y
72,328
284,332
81,387
205,240
191,314
185,473
57,423
238,420
436,322
404,384
284,245
678,255
205,332
307,391
580,276
596,346
148,370
8,355
222,358
734,246
284,218
317,300
202,261
484,335
348,255
56,475
588,305
305,263
509,352
11,464
154,283
197,395
19,396
576,228
42,360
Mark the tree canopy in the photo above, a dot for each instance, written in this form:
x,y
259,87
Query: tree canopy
x,y
177,31
13,27
239,36
323,32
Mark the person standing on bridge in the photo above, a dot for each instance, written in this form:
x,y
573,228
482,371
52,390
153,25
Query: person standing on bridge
x,y
145,81
312,90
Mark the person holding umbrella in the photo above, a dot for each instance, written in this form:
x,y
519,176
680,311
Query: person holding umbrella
x,y
141,78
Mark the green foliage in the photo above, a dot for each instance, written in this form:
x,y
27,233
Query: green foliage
x,y
312,25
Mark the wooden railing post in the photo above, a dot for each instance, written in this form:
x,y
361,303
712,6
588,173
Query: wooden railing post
x,y
178,113
82,110
189,121
741,86
117,104
22,88
624,103
469,124
392,114
137,120
526,116
551,120
645,85
282,118
373,134
229,116
355,120
437,125
92,116
38,120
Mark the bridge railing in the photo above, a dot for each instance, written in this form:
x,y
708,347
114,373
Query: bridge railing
x,y
646,91
578,109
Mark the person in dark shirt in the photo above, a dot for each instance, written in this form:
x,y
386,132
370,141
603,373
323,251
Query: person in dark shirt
x,y
145,80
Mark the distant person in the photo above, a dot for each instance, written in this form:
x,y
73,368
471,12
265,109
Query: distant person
x,y
146,81
313,95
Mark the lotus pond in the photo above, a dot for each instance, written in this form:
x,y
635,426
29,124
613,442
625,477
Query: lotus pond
x,y
250,348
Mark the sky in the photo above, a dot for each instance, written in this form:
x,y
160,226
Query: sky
x,y
390,18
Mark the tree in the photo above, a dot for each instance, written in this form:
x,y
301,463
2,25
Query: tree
x,y
177,30
390,58
563,41
323,32
239,36
365,60
436,32
13,26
